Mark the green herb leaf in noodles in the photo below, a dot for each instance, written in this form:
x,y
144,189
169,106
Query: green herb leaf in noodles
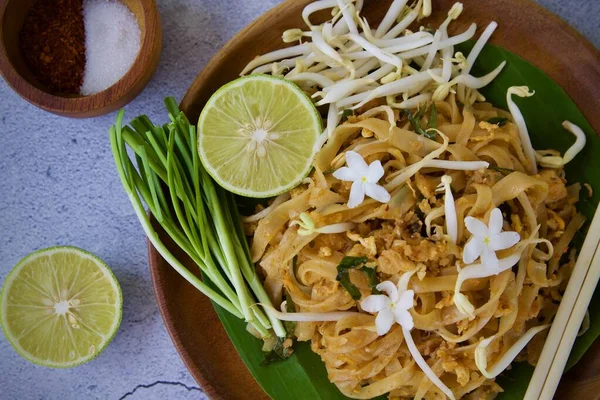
x,y
371,274
351,262
284,347
415,121
281,351
343,277
500,121
346,114
431,123
504,171
357,263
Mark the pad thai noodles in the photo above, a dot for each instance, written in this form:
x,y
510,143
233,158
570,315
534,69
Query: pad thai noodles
x,y
429,247
304,237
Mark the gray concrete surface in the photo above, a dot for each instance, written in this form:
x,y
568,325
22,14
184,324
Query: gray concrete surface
x,y
58,186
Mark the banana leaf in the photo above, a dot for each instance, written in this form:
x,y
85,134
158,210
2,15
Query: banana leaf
x,y
303,376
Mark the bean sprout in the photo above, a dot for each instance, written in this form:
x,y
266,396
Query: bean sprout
x,y
344,64
517,116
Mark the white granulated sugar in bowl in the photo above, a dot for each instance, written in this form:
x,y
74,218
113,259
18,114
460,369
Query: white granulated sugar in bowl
x,y
112,42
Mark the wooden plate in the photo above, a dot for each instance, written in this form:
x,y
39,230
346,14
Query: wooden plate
x,y
525,29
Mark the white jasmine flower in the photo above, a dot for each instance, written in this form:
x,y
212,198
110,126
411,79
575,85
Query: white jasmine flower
x,y
364,178
486,240
394,307
390,308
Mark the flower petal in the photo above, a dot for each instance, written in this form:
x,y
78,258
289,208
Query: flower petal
x,y
476,227
504,240
405,302
490,260
377,192
357,194
357,163
375,172
346,174
472,250
384,321
496,222
390,289
375,303
404,318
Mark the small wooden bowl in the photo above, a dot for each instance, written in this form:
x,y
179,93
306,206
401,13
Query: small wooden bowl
x,y
21,80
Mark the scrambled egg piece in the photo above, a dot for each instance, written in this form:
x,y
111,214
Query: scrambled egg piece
x,y
557,190
446,301
423,251
324,251
367,243
451,363
488,127
391,262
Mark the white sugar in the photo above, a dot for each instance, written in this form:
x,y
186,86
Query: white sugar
x,y
112,42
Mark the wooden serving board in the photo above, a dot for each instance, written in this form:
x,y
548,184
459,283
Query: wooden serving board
x,y
525,29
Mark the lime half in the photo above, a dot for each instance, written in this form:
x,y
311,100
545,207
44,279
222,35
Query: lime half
x,y
256,135
60,307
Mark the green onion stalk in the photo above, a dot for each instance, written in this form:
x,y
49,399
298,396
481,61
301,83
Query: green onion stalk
x,y
198,215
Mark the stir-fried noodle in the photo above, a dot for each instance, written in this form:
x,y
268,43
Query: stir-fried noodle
x,y
408,234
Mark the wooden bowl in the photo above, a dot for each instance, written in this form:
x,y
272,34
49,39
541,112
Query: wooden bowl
x,y
525,29
21,80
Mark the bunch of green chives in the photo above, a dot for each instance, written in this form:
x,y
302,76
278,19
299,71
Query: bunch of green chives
x,y
200,216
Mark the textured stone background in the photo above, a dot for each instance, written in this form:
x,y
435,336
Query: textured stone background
x,y
58,186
